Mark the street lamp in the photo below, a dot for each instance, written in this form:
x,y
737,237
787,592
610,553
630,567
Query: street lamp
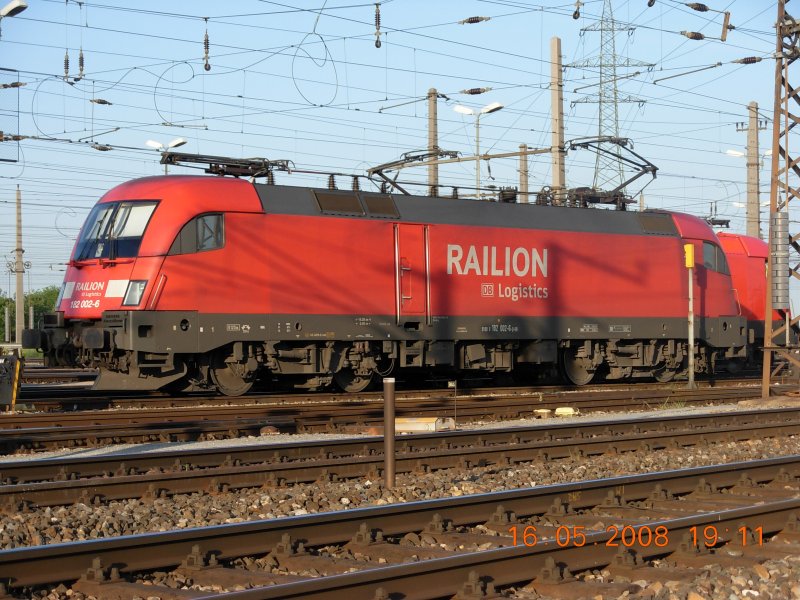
x,y
177,142
489,108
12,9
738,154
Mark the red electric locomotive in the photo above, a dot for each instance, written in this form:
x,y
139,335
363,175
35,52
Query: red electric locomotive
x,y
193,282
747,257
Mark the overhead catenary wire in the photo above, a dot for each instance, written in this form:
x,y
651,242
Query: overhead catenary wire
x,y
272,123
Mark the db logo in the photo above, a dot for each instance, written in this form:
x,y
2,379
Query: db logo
x,y
487,289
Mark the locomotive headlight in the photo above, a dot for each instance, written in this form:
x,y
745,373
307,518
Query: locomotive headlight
x,y
133,295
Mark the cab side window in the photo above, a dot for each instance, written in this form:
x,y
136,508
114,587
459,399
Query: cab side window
x,y
210,232
714,258
709,256
722,262
205,232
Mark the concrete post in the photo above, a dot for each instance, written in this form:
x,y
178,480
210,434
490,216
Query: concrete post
x,y
558,151
753,165
478,155
433,140
19,270
523,174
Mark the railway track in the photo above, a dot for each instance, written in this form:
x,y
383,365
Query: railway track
x,y
42,431
87,435
42,397
93,480
656,527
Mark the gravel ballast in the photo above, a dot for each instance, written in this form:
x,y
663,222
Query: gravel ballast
x,y
81,521
774,579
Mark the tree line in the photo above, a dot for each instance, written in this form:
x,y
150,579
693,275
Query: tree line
x,y
43,301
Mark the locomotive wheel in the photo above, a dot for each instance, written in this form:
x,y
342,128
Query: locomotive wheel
x,y
349,381
576,370
227,378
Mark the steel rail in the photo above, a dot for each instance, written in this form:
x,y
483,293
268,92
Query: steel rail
x,y
67,562
272,475
72,467
442,577
165,473
371,407
73,398
93,427
94,435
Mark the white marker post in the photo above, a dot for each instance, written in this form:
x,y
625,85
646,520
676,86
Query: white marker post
x,y
688,250
453,384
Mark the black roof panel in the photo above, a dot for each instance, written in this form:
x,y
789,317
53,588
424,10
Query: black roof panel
x,y
459,211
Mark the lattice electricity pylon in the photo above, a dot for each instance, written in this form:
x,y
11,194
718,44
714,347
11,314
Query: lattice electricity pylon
x,y
780,336
608,170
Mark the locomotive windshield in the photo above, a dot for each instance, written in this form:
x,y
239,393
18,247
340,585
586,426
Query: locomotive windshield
x,y
114,230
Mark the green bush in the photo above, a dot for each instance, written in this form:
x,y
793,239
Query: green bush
x,y
43,301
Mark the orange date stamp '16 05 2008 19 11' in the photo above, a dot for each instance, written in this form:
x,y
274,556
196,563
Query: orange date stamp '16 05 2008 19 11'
x,y
642,536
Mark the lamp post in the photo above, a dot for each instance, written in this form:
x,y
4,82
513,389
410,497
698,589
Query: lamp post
x,y
489,108
12,9
177,142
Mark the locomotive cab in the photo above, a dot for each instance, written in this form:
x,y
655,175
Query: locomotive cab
x,y
748,261
100,277
153,247
111,237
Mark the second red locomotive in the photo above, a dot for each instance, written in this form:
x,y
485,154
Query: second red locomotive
x,y
192,282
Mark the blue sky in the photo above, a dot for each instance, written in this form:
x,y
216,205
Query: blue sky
x,y
304,81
